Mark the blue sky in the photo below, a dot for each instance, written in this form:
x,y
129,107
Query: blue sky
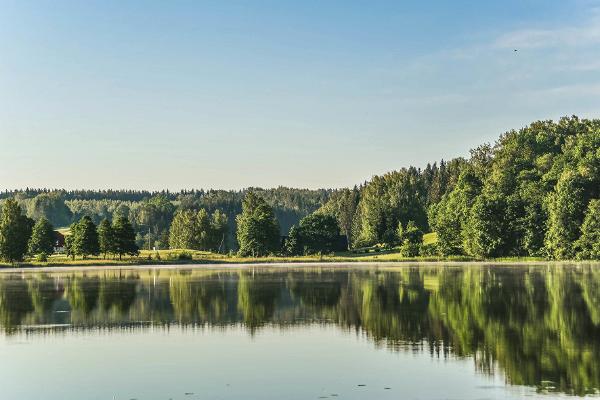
x,y
227,94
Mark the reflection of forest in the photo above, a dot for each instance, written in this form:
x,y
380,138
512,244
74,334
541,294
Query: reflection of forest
x,y
541,326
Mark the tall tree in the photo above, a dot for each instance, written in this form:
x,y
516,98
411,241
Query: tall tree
x,y
84,238
106,237
257,228
588,245
42,238
124,238
565,212
15,230
182,233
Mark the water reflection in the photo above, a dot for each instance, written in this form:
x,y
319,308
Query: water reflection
x,y
540,326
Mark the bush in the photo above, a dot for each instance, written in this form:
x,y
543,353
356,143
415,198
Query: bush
x,y
41,257
181,256
409,249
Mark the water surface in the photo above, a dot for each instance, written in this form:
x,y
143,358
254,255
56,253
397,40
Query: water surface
x,y
427,332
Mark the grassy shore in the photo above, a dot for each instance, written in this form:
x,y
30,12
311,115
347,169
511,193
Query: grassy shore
x,y
182,256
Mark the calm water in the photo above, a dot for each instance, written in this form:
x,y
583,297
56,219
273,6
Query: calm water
x,y
473,332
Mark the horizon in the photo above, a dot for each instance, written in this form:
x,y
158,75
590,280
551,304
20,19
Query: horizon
x,y
152,96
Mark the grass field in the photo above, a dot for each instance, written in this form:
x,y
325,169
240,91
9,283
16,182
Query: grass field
x,y
185,256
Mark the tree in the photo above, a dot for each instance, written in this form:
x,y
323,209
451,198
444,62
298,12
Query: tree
x,y
257,228
84,238
42,238
318,233
51,206
124,235
106,237
448,218
588,245
15,230
565,214
182,233
293,245
485,230
410,238
219,226
198,230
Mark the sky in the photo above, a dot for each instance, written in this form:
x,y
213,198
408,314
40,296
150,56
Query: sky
x,y
231,94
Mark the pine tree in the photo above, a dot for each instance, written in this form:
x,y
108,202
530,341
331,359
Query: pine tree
x,y
106,238
124,238
84,238
15,230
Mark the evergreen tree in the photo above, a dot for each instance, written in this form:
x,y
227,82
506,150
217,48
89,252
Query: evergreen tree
x,y
106,237
124,235
15,231
42,238
257,228
84,238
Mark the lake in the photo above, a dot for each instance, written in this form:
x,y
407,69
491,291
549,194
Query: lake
x,y
354,332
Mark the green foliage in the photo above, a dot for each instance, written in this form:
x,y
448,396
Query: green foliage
x,y
342,205
536,185
50,206
257,228
293,243
106,238
449,217
42,238
83,240
385,201
41,257
565,211
198,231
317,233
15,230
485,229
411,239
588,245
124,238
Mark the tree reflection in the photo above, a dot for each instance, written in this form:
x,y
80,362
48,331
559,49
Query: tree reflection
x,y
539,325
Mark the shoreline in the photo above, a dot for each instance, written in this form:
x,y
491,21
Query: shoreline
x,y
291,265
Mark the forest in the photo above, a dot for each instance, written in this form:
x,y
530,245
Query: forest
x,y
535,192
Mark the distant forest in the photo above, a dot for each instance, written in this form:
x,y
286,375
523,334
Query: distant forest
x,y
535,192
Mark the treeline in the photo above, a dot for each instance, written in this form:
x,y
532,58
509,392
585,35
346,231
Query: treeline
x,y
535,192
151,213
21,236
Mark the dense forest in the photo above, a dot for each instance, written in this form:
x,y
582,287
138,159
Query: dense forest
x,y
535,192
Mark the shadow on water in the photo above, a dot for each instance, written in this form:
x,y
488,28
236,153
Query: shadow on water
x,y
539,326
